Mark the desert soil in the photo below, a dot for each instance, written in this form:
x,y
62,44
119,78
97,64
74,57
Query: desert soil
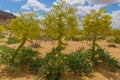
x,y
101,73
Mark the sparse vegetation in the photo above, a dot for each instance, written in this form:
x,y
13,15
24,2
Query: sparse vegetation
x,y
2,29
116,35
103,56
96,23
59,24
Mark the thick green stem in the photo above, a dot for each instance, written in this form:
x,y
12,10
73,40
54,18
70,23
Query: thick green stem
x,y
93,43
19,47
59,50
10,35
60,41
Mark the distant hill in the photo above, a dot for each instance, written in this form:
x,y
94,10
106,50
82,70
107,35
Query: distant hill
x,y
5,15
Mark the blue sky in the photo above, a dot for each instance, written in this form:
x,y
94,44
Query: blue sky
x,y
82,6
15,5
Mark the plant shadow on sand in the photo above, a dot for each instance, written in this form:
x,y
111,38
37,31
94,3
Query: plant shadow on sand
x,y
108,73
6,73
101,71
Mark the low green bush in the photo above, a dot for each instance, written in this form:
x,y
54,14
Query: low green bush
x,y
117,40
26,56
2,36
23,59
50,69
110,40
36,64
75,38
83,37
115,32
102,56
12,40
83,61
6,54
79,38
79,62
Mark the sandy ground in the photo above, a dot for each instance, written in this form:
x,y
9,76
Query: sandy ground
x,y
100,73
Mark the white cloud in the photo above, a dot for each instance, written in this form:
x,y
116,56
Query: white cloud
x,y
116,19
16,14
7,11
16,0
82,2
117,0
101,1
26,7
40,17
35,5
78,5
81,9
119,5
75,2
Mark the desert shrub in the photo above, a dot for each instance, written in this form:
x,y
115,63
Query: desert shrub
x,y
28,28
5,54
36,64
2,36
83,61
12,40
2,29
83,37
50,69
102,37
1,61
102,56
79,62
110,40
115,32
22,60
114,40
58,23
26,56
74,38
91,27
117,40
78,38
46,38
